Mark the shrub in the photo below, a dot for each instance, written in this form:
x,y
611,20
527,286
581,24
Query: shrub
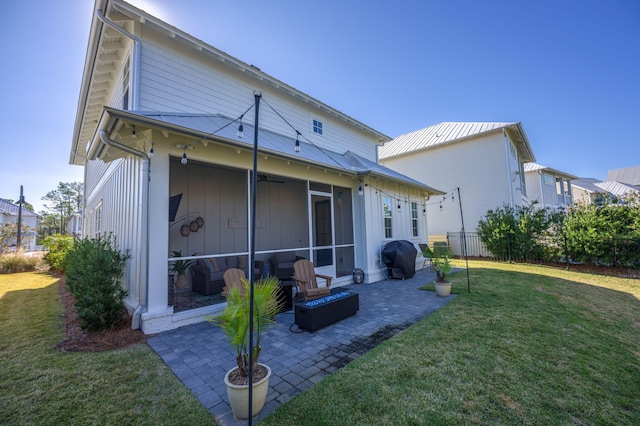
x,y
17,262
523,233
607,233
93,272
58,245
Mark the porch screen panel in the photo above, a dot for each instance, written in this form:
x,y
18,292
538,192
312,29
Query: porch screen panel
x,y
343,215
281,214
216,194
345,263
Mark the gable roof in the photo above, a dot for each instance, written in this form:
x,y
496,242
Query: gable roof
x,y
587,184
618,189
628,175
454,132
532,167
104,46
8,208
201,125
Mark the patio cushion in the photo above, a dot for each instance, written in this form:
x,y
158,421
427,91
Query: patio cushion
x,y
232,261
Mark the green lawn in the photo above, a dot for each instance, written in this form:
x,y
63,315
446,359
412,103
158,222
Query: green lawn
x,y
529,345
42,386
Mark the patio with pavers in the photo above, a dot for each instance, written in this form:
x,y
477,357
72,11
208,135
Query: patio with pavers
x,y
200,355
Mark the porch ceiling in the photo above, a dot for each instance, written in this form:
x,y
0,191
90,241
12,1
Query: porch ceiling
x,y
220,129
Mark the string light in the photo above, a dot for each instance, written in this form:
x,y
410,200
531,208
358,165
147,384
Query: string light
x,y
360,191
184,157
297,148
241,128
151,151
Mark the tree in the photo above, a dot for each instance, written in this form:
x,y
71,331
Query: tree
x,y
63,202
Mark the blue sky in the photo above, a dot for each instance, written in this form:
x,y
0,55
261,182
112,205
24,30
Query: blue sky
x,y
569,70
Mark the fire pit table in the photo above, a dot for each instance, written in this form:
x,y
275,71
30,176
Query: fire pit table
x,y
315,314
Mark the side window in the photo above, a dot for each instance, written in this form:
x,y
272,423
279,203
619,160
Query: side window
x,y
388,217
414,219
125,86
317,127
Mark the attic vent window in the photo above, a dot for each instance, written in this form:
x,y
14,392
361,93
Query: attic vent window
x,y
317,127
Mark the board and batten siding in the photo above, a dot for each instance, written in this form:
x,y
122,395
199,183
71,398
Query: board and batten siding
x,y
179,79
118,197
373,236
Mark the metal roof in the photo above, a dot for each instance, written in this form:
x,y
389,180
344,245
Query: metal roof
x,y
216,127
7,207
452,132
532,167
100,60
618,189
629,175
587,184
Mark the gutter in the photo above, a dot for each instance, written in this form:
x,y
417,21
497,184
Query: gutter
x,y
143,275
135,68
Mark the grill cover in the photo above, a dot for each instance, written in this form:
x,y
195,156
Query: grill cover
x,y
400,258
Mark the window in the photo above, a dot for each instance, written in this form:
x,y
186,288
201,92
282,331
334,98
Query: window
x,y
317,127
548,179
98,220
414,218
388,216
125,86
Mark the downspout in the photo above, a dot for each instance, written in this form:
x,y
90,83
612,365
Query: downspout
x,y
144,259
509,178
135,69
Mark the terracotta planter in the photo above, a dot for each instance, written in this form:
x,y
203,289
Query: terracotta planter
x,y
442,288
239,395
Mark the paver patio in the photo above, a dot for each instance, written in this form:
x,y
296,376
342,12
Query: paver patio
x,y
200,355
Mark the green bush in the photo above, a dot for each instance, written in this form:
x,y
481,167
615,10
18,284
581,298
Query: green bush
x,y
93,272
607,233
58,245
520,233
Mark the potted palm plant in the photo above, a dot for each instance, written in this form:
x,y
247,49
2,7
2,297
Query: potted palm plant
x,y
440,259
234,321
180,268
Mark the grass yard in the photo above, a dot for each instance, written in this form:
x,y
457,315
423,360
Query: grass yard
x,y
40,385
529,345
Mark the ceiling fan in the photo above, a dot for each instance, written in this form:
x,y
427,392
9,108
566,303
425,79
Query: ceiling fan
x,y
265,178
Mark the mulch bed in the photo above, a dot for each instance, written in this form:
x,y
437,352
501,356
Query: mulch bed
x,y
78,340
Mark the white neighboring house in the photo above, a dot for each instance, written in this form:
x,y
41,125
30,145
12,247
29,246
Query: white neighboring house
x,y
626,175
585,190
9,214
74,226
589,190
549,187
484,160
157,130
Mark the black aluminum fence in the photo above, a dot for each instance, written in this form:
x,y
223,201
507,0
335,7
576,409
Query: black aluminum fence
x,y
618,256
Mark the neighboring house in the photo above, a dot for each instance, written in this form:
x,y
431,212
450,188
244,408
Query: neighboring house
x,y
74,226
585,190
484,160
548,187
9,214
157,130
627,175
589,190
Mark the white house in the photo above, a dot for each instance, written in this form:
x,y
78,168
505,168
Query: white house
x,y
548,187
589,190
166,168
9,215
626,175
485,161
74,226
